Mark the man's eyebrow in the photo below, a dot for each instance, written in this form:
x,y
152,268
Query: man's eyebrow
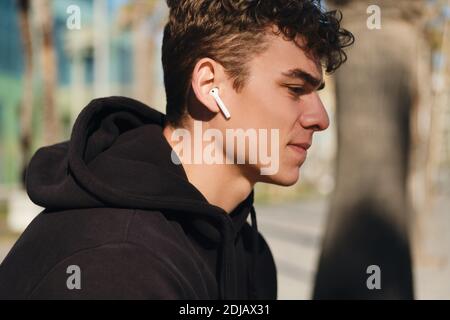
x,y
305,76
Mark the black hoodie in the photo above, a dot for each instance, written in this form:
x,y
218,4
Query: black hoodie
x,y
121,211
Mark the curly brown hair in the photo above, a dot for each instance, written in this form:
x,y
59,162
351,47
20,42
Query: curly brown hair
x,y
232,31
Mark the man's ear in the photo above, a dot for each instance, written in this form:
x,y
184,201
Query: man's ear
x,y
206,75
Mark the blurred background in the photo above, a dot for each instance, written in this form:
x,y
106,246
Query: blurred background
x,y
375,189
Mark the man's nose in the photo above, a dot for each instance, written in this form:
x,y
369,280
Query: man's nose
x,y
315,116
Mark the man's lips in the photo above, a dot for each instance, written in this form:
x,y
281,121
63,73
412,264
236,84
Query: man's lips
x,y
300,148
301,145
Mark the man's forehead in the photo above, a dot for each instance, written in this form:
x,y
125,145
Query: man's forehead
x,y
292,59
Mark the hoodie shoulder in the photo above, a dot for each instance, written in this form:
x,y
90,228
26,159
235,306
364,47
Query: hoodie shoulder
x,y
104,243
114,271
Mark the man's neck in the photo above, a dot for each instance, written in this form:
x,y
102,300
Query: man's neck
x,y
223,185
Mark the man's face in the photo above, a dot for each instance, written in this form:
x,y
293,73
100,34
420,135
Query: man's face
x,y
280,93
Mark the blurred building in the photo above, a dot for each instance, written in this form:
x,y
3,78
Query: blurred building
x,y
96,60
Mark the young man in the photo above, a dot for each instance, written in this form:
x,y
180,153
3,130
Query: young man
x,y
138,205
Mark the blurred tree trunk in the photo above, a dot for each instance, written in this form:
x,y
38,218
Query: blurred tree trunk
x,y
370,214
438,112
144,49
101,48
51,120
141,17
141,54
26,108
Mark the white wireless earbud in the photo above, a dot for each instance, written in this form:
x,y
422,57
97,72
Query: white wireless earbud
x,y
215,93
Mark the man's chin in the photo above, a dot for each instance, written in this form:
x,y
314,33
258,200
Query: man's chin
x,y
283,178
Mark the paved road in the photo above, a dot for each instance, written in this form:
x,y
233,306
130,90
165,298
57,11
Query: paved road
x,y
294,233
432,252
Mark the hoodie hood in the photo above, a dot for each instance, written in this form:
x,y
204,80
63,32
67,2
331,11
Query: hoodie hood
x,y
118,157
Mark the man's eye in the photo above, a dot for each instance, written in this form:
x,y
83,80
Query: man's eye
x,y
297,91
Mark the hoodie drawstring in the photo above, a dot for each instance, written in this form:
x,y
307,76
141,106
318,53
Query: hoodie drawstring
x,y
227,281
253,263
